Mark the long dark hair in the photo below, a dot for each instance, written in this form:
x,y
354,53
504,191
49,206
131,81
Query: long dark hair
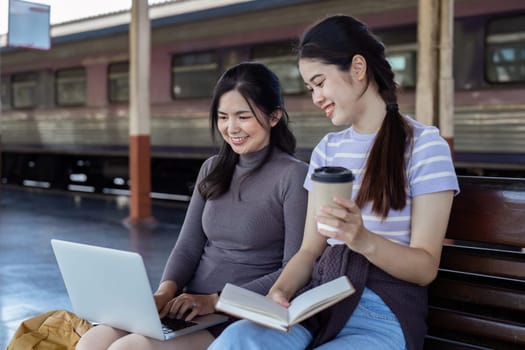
x,y
261,88
336,40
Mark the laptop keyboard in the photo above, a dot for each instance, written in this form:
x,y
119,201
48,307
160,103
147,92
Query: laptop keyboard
x,y
174,324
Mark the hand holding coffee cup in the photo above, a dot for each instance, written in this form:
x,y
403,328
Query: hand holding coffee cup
x,y
328,182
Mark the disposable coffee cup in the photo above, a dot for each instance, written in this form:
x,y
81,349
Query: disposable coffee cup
x,y
329,182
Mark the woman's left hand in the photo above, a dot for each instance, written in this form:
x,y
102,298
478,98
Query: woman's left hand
x,y
347,221
188,306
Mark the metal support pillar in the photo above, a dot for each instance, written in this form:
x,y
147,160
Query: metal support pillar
x,y
446,78
139,116
427,63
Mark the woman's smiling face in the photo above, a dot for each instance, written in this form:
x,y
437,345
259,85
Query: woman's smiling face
x,y
332,89
239,125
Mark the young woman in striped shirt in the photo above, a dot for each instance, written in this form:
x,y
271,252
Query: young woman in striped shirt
x,y
390,233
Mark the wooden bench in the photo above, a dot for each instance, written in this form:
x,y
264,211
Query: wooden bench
x,y
478,298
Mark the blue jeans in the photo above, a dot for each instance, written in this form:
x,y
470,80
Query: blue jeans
x,y
371,326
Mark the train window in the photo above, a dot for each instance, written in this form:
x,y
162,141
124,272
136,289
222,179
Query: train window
x,y
401,53
279,58
4,92
505,50
403,63
118,84
194,75
24,89
71,87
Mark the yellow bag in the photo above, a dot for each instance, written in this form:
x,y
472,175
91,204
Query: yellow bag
x,y
53,330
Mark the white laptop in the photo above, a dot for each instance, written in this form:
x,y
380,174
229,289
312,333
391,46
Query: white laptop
x,y
111,287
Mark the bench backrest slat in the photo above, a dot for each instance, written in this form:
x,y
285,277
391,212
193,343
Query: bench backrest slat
x,y
490,210
500,335
479,295
505,265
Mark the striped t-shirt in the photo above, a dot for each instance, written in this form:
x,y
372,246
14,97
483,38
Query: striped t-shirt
x,y
430,169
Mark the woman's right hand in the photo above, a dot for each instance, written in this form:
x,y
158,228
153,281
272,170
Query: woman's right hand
x,y
161,299
278,296
164,294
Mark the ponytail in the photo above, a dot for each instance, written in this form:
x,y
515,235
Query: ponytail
x,y
384,180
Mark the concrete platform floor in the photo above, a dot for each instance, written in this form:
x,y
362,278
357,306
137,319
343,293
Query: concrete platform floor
x,y
30,282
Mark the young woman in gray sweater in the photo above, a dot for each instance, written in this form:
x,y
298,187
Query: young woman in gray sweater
x,y
245,219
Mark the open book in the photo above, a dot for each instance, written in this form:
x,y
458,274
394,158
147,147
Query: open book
x,y
244,303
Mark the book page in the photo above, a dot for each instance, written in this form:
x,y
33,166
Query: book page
x,y
245,299
254,316
310,302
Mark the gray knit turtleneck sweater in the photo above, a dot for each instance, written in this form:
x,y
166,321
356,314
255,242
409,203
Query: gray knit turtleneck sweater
x,y
246,239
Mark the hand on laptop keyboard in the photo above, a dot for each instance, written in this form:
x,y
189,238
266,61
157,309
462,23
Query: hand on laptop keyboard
x,y
176,323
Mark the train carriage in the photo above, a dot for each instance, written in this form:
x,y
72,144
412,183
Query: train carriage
x,y
64,121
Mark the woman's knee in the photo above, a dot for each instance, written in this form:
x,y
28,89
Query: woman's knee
x,y
239,335
194,341
244,335
99,338
130,342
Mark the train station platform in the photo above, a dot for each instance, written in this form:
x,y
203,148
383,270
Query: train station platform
x,y
30,282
